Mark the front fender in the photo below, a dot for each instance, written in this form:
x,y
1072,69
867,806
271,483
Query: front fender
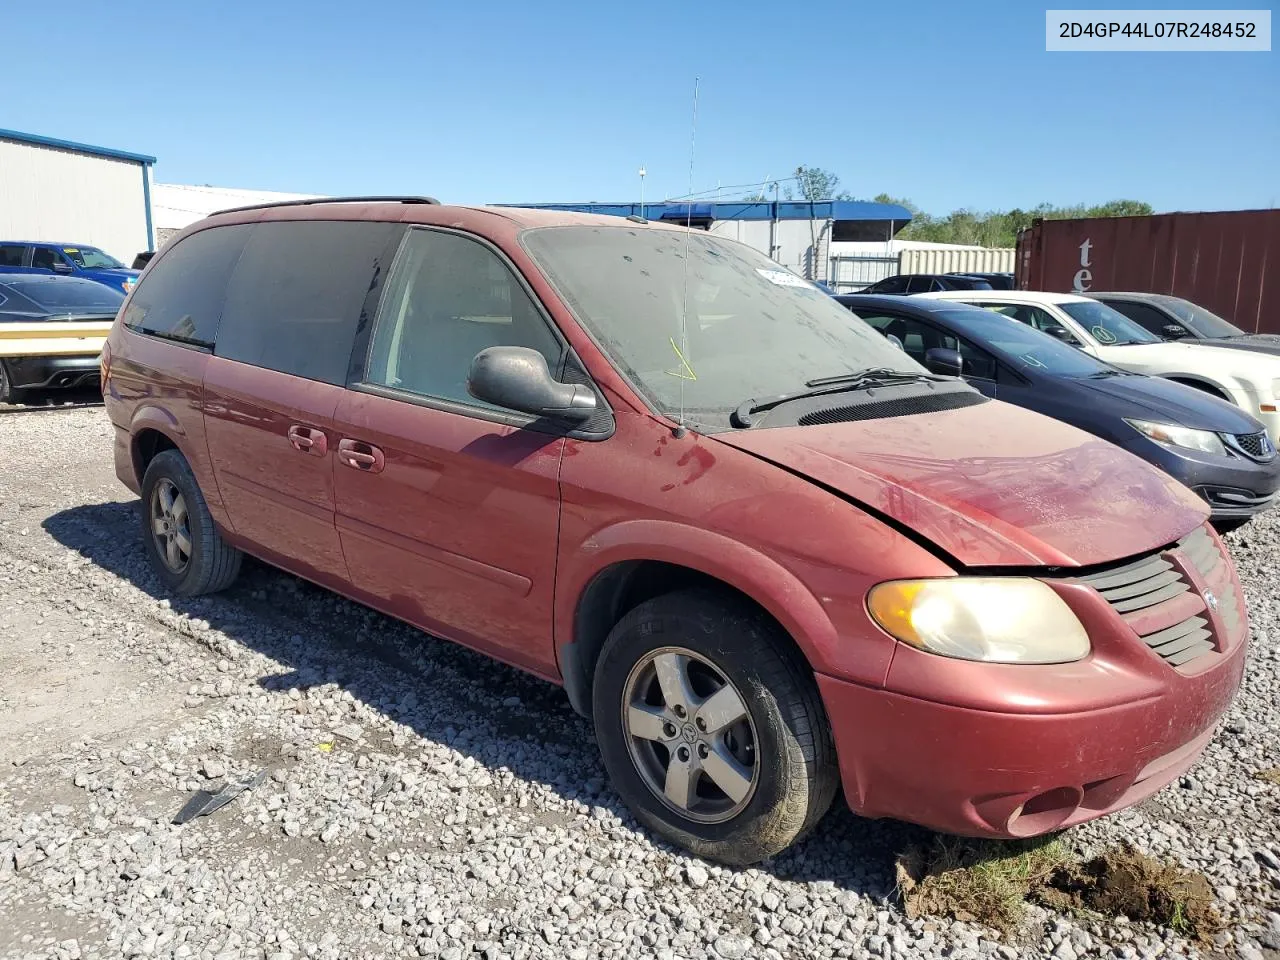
x,y
744,568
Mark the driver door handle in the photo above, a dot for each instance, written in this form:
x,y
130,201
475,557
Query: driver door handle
x,y
361,456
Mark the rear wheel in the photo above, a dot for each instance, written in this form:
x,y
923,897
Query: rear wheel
x,y
711,727
186,549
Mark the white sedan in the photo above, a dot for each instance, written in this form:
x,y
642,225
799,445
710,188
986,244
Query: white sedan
x,y
1249,380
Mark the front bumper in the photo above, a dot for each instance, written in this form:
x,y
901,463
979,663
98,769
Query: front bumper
x,y
1234,486
48,373
1007,751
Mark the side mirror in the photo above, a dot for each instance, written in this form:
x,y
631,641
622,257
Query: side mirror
x,y
60,266
517,378
944,362
1174,331
1061,333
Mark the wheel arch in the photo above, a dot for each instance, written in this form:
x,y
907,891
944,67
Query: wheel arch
x,y
152,430
1199,382
638,560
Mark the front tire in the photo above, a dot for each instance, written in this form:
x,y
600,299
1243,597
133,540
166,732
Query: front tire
x,y
8,394
186,549
711,727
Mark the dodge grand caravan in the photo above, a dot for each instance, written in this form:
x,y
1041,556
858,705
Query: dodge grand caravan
x,y
765,552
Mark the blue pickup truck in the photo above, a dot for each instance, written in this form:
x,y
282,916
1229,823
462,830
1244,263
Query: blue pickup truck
x,y
67,259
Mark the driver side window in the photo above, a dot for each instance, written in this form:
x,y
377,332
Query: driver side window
x,y
448,298
43,258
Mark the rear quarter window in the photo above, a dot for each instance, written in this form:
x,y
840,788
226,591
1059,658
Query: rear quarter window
x,y
182,297
298,293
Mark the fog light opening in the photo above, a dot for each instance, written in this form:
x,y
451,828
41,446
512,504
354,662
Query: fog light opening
x,y
1045,811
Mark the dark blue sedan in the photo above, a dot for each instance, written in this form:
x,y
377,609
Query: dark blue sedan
x,y
1211,446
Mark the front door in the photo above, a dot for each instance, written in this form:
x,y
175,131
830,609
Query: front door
x,y
448,508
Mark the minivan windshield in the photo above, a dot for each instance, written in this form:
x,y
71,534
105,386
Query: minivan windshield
x,y
91,258
750,327
1109,327
1204,323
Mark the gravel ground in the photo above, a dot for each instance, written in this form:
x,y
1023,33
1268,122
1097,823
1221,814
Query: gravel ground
x,y
422,800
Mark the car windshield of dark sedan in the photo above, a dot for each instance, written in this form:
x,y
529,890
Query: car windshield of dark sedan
x,y
1109,327
1200,320
91,258
1024,346
70,295
703,324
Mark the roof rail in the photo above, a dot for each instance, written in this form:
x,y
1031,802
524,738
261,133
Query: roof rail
x,y
314,200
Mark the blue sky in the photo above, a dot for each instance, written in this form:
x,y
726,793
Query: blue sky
x,y
949,104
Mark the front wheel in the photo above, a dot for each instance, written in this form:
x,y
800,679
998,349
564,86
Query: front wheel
x,y
711,727
7,392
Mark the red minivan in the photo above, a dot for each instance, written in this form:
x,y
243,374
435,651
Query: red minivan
x,y
764,551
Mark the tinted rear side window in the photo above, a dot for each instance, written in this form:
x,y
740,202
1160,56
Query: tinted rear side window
x,y
296,297
182,297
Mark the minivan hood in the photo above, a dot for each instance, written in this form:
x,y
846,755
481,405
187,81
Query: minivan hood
x,y
991,484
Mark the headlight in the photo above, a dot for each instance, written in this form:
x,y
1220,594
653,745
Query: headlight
x,y
996,619
1205,441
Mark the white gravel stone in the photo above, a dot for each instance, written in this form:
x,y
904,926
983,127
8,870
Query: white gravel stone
x,y
423,800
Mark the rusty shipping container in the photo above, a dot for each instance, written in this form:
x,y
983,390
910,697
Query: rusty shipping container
x,y
1227,262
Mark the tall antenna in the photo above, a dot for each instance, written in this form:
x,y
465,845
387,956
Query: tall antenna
x,y
688,227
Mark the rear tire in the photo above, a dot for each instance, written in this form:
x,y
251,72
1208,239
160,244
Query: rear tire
x,y
186,549
715,687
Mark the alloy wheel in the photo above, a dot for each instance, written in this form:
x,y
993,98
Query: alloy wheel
x,y
169,525
690,735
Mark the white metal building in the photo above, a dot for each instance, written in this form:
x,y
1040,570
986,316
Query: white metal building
x,y
176,205
65,192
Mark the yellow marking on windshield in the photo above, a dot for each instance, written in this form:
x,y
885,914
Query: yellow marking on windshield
x,y
684,365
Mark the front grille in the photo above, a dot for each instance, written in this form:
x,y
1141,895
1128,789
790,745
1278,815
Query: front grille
x,y
1149,595
898,407
1255,445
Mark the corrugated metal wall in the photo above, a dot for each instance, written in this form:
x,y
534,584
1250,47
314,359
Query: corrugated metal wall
x,y
994,260
53,194
792,238
1228,262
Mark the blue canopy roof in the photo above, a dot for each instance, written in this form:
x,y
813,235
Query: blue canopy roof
x,y
739,210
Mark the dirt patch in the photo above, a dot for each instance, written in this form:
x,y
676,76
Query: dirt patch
x,y
1124,882
1270,776
990,883
976,881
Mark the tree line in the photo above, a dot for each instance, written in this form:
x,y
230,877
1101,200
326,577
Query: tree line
x,y
988,228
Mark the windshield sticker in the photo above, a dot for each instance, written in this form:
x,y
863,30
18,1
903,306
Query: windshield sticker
x,y
1102,334
782,278
70,250
684,371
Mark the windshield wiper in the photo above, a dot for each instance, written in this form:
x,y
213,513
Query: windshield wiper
x,y
841,383
1108,373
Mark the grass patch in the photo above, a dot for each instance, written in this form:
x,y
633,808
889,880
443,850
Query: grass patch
x,y
978,881
1270,776
1125,882
990,882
